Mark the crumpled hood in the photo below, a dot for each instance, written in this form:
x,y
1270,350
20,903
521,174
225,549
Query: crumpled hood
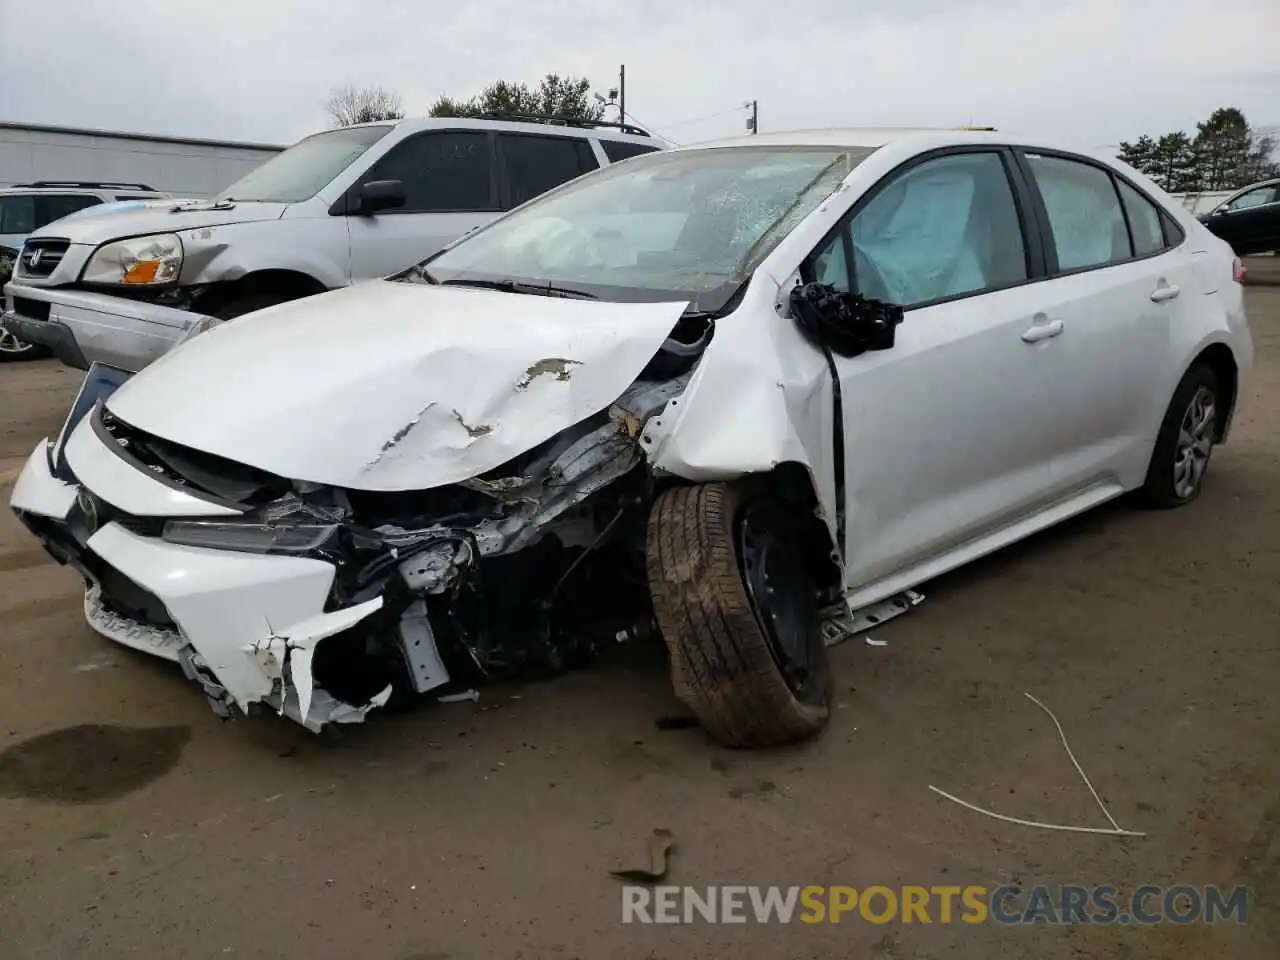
x,y
156,216
395,386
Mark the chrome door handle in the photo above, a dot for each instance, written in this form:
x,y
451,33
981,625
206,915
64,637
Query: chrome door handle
x,y
1042,331
1165,292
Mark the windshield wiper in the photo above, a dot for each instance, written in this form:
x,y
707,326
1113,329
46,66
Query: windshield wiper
x,y
521,286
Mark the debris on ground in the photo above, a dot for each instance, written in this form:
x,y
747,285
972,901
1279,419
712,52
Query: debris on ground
x,y
472,695
658,846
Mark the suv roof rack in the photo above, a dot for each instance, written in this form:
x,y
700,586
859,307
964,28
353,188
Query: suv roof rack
x,y
90,185
566,122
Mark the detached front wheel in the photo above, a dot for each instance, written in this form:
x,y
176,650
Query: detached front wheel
x,y
738,611
12,349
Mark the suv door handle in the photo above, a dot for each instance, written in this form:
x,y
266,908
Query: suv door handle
x,y
1165,292
1042,331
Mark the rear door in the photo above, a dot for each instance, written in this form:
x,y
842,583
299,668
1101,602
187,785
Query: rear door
x,y
1118,282
531,164
451,186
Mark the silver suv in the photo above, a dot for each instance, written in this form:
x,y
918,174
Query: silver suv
x,y
346,205
26,207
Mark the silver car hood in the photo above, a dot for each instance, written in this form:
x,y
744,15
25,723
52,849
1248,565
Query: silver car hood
x,y
395,386
156,216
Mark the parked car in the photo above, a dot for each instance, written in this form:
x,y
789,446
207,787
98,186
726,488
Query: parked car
x,y
1249,219
26,207
747,391
336,208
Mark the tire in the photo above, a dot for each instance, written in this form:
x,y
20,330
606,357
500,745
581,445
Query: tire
x,y
13,350
1168,484
727,661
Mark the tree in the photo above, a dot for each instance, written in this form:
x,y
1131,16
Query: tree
x,y
565,98
1138,154
348,105
1173,163
1224,155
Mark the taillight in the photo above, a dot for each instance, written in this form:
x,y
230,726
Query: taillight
x,y
1237,270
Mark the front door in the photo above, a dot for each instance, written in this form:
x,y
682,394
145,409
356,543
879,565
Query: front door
x,y
1251,221
949,435
451,187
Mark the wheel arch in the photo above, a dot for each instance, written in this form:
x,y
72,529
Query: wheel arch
x,y
1219,358
293,283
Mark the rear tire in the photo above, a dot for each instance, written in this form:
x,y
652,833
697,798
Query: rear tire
x,y
1185,442
739,616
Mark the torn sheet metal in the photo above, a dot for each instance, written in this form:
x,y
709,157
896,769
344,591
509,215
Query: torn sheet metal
x,y
754,401
425,385
285,657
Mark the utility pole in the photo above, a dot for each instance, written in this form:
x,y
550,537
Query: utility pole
x,y
622,94
753,121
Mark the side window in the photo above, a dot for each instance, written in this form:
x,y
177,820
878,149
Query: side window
x,y
617,150
1254,198
55,206
944,228
1084,212
536,164
444,171
1144,221
136,196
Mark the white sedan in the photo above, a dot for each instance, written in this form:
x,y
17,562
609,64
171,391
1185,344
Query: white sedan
x,y
736,395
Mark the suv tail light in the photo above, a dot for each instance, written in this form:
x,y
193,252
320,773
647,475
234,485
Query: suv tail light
x,y
1237,270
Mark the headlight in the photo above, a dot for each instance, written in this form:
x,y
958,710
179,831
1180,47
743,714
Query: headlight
x,y
249,537
141,261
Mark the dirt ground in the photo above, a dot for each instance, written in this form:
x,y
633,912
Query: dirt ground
x,y
134,822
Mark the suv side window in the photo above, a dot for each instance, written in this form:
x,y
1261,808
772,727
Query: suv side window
x,y
55,206
535,164
1144,221
617,150
1085,217
442,171
944,228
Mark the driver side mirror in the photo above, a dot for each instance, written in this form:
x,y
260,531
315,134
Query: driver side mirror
x,y
379,195
843,323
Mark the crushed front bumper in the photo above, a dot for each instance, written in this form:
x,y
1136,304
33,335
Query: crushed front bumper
x,y
244,626
80,327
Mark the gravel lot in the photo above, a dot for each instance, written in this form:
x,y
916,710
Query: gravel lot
x,y
133,821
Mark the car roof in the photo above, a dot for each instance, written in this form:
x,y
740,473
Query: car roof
x,y
549,127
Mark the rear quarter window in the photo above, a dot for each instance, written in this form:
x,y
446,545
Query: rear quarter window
x,y
617,150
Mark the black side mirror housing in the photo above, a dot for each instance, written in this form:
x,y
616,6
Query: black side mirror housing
x,y
379,195
843,323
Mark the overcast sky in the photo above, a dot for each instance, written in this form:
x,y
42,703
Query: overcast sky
x,y
1095,71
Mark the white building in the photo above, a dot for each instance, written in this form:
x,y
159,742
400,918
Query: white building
x,y
181,166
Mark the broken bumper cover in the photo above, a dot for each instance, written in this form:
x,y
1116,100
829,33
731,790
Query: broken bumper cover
x,y
80,327
244,626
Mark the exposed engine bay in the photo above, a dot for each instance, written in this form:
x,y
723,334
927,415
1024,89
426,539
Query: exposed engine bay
x,y
530,567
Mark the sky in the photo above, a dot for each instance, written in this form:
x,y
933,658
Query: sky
x,y
1089,71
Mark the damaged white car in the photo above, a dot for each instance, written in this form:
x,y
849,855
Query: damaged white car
x,y
742,393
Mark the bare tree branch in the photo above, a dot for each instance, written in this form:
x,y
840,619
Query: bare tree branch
x,y
348,105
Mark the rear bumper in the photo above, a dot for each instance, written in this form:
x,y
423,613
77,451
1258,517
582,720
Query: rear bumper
x,y
80,327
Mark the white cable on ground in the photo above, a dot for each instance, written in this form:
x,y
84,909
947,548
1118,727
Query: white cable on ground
x,y
1032,823
1116,831
1105,812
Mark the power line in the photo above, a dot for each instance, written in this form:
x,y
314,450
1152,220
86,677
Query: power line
x,y
709,116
